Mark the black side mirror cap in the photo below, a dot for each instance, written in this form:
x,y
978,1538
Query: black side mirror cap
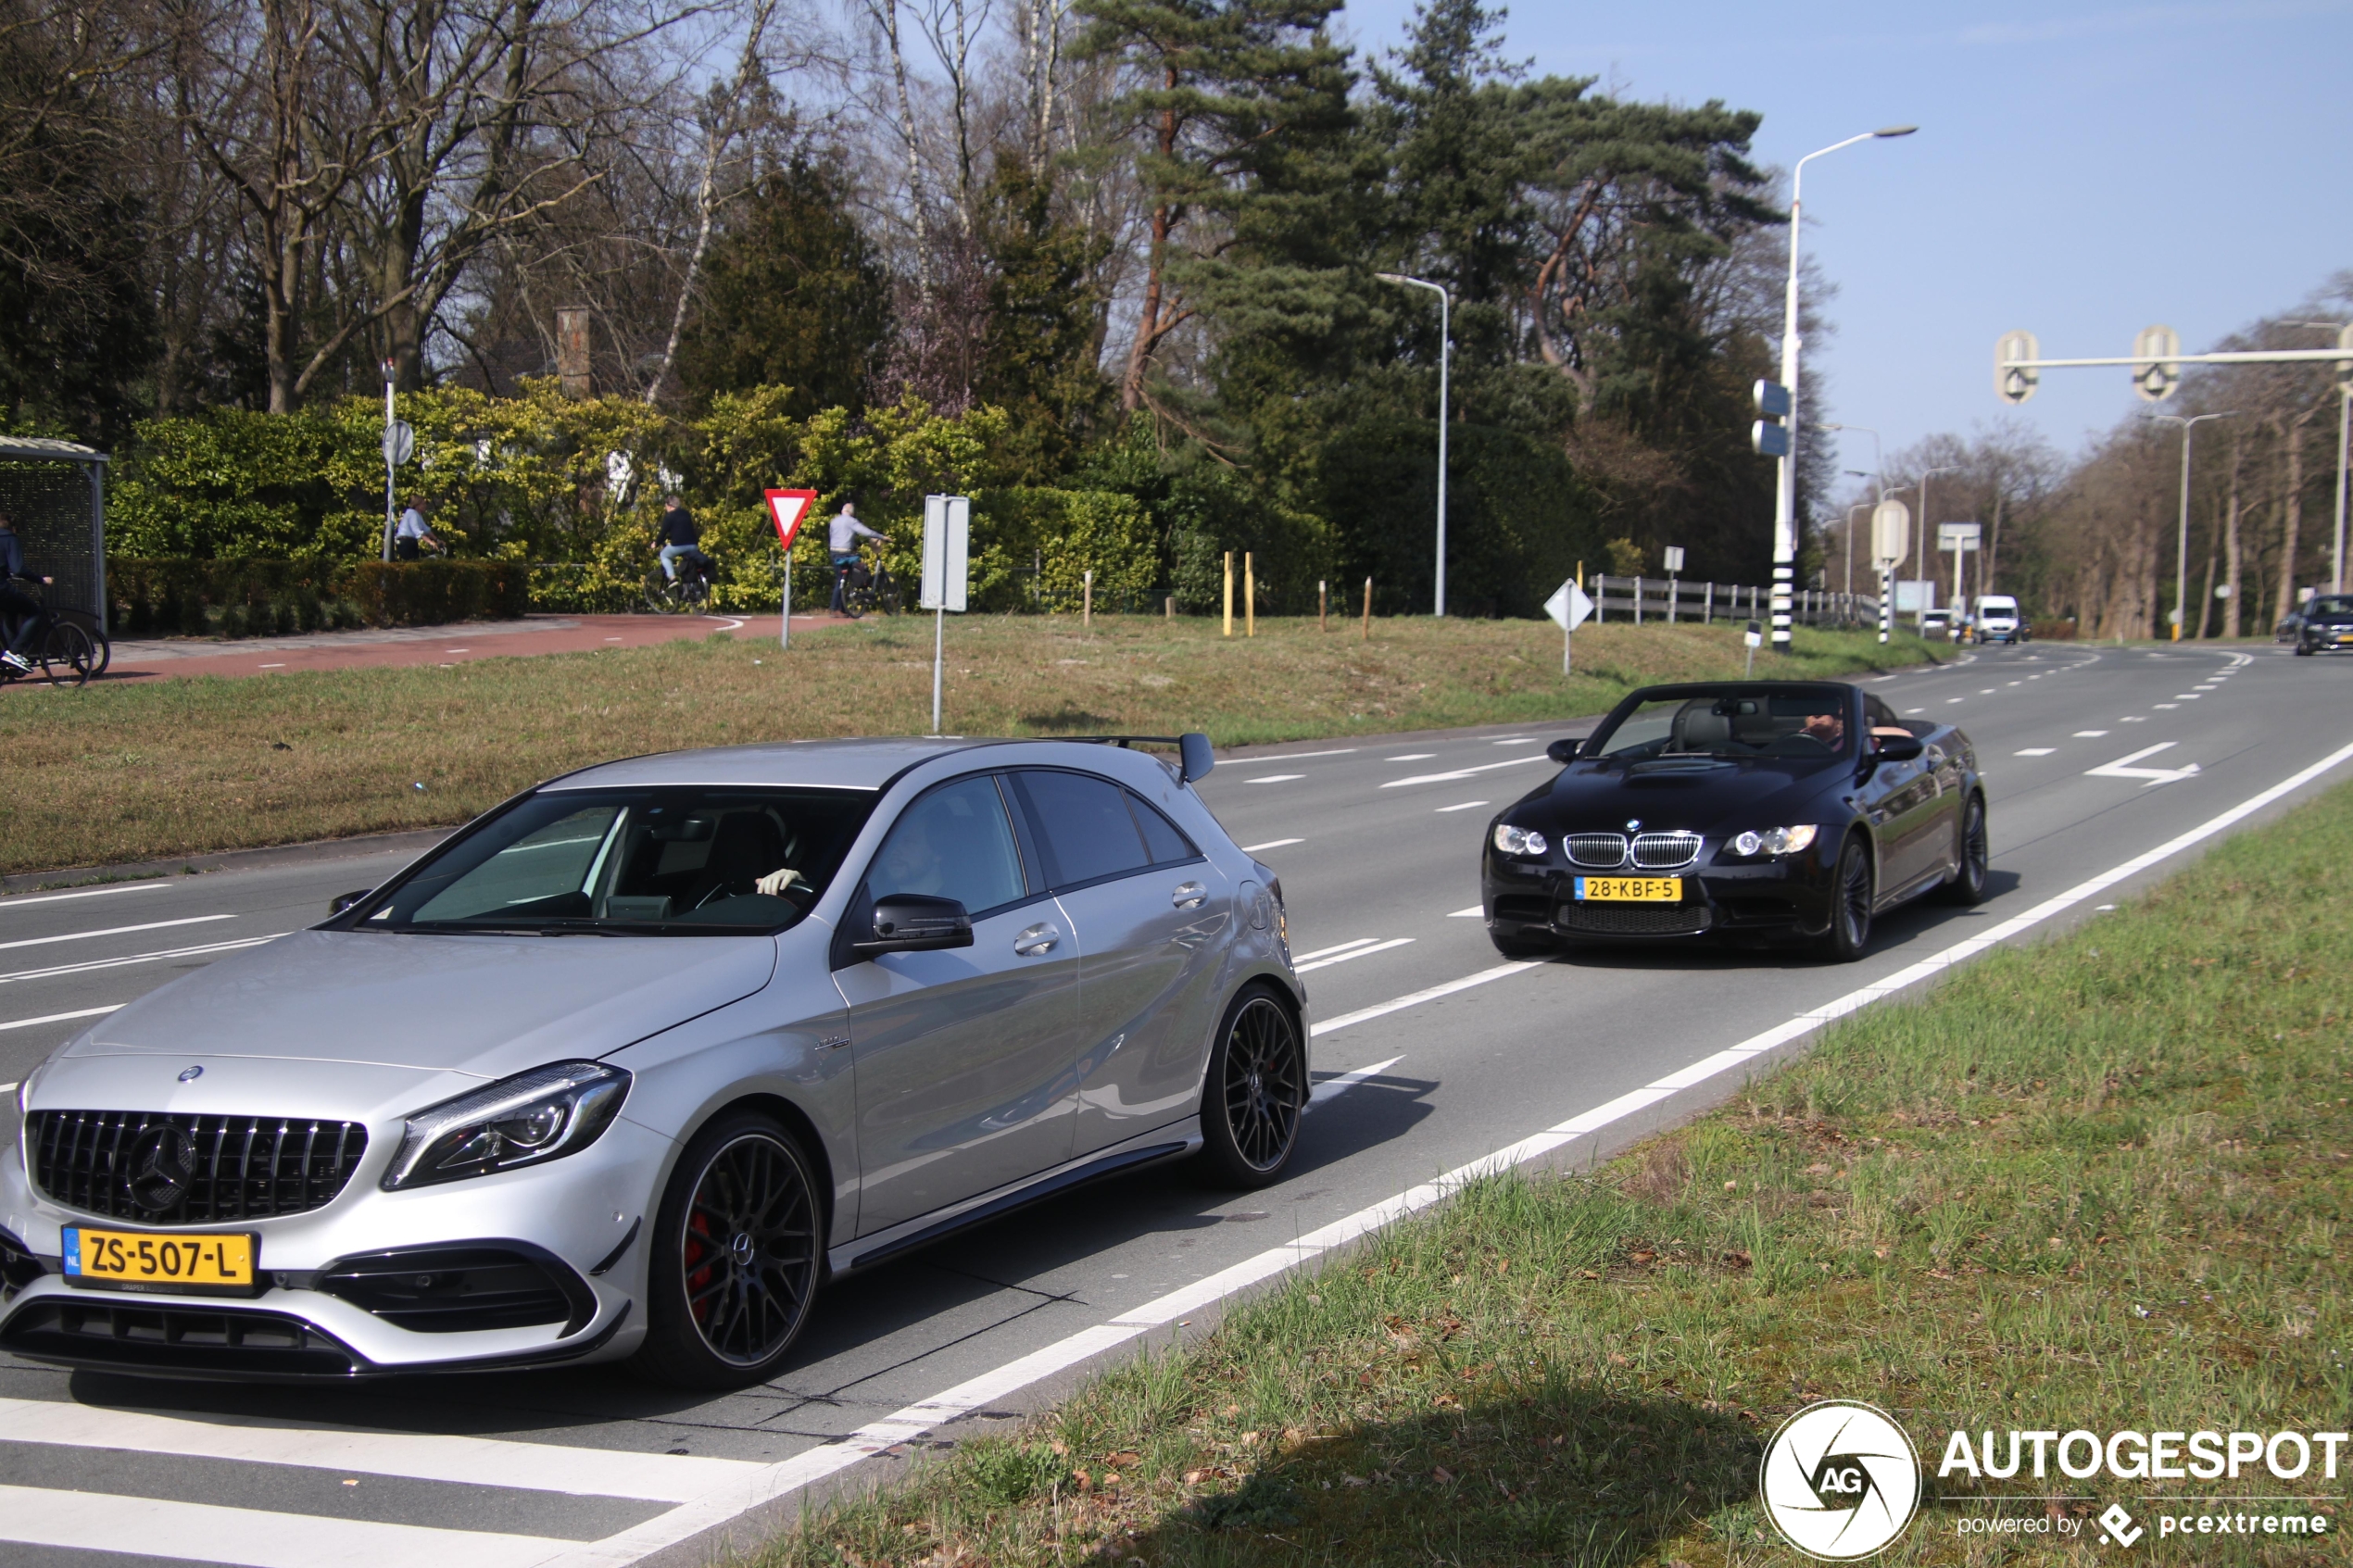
x,y
1562,750
342,901
1897,749
1195,759
916,923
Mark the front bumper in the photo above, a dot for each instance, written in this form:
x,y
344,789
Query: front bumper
x,y
541,1264
2332,641
1786,896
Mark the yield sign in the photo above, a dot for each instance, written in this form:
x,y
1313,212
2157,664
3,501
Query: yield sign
x,y
1569,607
785,508
2122,769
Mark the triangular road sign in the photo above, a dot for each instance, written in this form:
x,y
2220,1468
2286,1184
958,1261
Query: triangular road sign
x,y
786,509
1569,607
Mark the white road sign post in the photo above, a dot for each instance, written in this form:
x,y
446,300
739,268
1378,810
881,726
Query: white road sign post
x,y
786,509
1754,639
1890,542
400,445
1958,537
1568,607
947,548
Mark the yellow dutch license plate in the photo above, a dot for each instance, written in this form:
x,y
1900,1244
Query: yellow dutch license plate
x,y
1630,889
139,1260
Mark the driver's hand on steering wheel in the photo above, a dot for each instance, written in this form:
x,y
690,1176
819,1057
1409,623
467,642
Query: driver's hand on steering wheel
x,y
775,882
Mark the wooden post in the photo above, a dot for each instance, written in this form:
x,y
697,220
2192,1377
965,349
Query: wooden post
x,y
1250,598
1638,598
1368,609
1323,608
1708,610
1229,593
1086,604
1601,594
1169,607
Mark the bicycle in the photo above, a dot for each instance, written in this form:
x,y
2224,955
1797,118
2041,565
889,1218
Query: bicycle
x,y
688,593
100,642
68,656
867,588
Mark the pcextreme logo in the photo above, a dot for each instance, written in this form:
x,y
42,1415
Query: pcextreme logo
x,y
1840,1480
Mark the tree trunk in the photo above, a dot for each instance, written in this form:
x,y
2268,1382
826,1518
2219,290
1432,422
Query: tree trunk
x,y
2291,512
2231,609
2206,600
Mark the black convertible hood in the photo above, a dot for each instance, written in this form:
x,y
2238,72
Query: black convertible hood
x,y
1670,794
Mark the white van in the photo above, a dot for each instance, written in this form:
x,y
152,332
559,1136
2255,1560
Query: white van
x,y
1998,620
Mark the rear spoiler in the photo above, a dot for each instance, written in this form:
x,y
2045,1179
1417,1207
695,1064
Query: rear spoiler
x,y
1193,749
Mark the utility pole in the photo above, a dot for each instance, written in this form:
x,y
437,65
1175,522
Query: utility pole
x,y
1445,353
2182,546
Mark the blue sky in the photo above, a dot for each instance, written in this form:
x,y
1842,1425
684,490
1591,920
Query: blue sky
x,y
2082,171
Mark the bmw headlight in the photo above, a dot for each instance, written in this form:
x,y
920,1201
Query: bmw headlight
x,y
540,1115
1518,841
1773,841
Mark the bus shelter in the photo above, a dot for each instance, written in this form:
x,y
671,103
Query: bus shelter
x,y
55,494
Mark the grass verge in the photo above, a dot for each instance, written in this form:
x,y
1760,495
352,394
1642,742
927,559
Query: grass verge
x,y
2100,1183
117,773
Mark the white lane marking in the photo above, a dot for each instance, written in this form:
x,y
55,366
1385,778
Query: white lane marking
x,y
1275,778
140,957
269,666
1466,772
6,904
1472,913
1465,806
485,1461
2165,705
2035,751
1358,953
2089,734
112,931
1954,699
1912,710
1514,740
2185,696
1989,691
2014,683
1415,757
1270,844
1328,952
1382,1009
1287,757
2122,768
830,1459
62,1017
470,650
1333,1089
2132,719
252,1538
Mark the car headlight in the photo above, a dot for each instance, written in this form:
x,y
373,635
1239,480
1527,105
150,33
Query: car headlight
x,y
1518,841
540,1115
1773,841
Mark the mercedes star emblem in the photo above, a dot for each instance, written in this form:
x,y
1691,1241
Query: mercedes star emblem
x,y
163,1165
191,1074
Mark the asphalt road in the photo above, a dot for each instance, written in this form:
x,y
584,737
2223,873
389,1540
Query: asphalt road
x,y
2093,756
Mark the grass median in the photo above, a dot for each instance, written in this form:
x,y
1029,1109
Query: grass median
x,y
2100,1183
137,771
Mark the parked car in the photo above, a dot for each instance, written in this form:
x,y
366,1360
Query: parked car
x,y
2325,624
1936,624
1769,809
1998,620
637,1061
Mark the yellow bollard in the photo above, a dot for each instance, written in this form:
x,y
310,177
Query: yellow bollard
x,y
1229,593
1250,598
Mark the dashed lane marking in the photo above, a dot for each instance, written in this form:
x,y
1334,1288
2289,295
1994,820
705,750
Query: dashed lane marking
x,y
112,931
1465,806
1270,844
6,904
1353,952
61,1018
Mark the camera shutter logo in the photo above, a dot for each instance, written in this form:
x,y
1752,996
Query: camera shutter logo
x,y
1840,1480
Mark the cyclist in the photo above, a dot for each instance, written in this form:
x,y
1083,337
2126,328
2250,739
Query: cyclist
x,y
414,533
680,538
845,531
28,616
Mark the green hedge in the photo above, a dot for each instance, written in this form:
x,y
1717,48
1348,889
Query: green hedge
x,y
259,598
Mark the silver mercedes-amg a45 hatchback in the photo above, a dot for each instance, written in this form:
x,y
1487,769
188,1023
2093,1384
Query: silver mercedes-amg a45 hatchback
x,y
633,1064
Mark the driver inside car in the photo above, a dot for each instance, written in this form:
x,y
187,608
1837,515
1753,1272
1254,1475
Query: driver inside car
x,y
1828,728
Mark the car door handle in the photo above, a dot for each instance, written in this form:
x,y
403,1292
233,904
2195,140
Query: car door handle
x,y
1036,939
1189,896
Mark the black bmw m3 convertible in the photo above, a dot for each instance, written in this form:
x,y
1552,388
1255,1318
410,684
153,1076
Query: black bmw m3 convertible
x,y
1771,809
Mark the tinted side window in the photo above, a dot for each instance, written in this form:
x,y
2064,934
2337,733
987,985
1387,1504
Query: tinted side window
x,y
1087,830
954,843
1161,835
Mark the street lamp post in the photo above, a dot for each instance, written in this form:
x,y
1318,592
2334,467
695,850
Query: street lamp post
x,y
2344,428
1785,486
1445,350
2182,545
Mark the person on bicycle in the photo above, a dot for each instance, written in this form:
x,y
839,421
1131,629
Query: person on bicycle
x,y
412,534
680,538
846,532
29,617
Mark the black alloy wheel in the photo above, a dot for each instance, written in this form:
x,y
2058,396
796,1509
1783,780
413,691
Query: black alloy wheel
x,y
1851,899
1257,1093
736,1249
1967,886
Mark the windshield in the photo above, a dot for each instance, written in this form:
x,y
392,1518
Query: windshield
x,y
680,861
1997,607
2332,605
1728,723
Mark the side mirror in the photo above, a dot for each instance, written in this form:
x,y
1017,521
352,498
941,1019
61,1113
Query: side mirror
x,y
1562,750
1195,760
915,923
342,901
1897,749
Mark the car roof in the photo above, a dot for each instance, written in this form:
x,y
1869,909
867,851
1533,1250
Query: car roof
x,y
1707,688
816,764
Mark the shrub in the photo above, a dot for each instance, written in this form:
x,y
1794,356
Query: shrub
x,y
259,598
